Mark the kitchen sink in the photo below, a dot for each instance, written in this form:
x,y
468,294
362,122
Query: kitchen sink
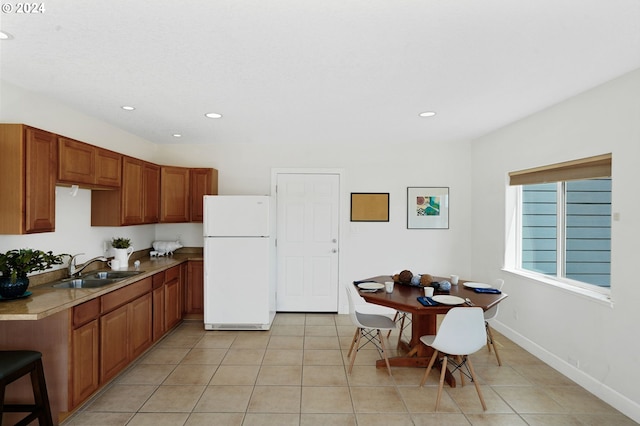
x,y
94,280
116,275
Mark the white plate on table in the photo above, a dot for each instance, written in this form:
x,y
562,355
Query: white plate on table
x,y
448,300
370,286
476,285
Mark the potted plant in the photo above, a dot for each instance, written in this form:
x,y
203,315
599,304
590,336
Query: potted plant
x,y
122,249
17,263
121,242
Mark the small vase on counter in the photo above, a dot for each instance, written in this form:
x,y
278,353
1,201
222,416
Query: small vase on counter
x,y
122,256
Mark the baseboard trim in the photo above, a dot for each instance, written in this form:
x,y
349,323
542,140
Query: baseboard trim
x,y
612,397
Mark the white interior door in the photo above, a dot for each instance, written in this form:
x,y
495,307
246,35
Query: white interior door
x,y
307,242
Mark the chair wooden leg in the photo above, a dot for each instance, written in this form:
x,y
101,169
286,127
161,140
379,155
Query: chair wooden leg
x,y
429,367
395,318
493,343
475,382
440,386
353,356
384,352
353,341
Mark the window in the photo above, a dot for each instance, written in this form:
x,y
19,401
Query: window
x,y
565,221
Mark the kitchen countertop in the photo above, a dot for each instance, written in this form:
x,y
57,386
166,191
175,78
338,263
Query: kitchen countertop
x,y
46,300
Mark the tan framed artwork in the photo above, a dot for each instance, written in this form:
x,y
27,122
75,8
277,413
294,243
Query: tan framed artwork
x,y
369,207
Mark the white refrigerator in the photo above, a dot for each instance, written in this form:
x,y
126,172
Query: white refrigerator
x,y
239,262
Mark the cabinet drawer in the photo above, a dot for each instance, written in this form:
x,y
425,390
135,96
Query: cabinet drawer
x,y
172,274
120,297
86,312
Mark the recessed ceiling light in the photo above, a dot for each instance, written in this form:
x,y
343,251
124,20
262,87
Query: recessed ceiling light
x,y
213,115
128,108
177,135
5,36
427,114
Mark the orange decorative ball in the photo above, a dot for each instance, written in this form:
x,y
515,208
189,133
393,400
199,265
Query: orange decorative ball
x,y
426,280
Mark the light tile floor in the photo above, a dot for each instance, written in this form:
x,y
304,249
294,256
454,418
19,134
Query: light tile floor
x,y
295,374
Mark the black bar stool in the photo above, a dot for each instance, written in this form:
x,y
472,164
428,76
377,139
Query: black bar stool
x,y
15,364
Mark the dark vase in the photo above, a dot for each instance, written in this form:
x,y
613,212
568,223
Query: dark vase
x,y
9,290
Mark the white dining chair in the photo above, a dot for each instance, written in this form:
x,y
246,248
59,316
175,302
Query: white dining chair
x,y
490,314
461,333
369,325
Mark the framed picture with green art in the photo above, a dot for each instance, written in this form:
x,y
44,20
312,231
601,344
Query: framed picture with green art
x,y
427,207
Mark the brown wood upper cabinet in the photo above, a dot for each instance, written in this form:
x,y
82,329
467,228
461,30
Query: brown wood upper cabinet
x,y
135,203
87,165
174,194
151,194
27,179
202,182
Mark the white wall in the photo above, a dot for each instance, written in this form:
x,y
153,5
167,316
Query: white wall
x,y
555,324
366,248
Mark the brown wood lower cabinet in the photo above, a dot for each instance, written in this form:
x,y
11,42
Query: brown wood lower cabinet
x,y
86,346
172,297
114,329
85,355
194,290
158,306
109,332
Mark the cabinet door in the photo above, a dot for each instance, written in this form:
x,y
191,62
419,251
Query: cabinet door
x,y
108,168
158,313
40,181
195,289
202,182
84,362
141,334
114,348
173,310
174,194
77,163
151,200
132,191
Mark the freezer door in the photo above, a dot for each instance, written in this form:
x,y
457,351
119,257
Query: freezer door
x,y
237,282
236,216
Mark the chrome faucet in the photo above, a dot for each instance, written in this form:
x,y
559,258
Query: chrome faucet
x,y
75,270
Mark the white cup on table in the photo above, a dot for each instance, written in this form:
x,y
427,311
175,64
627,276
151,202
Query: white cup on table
x,y
428,291
115,264
454,279
388,286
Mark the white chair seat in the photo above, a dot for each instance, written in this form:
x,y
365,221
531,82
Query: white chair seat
x,y
461,334
369,325
379,322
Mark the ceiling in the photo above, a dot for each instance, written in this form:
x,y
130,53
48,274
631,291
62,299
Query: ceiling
x,y
323,71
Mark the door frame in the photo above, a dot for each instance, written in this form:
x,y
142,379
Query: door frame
x,y
342,202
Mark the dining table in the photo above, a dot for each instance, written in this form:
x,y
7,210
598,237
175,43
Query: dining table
x,y
423,318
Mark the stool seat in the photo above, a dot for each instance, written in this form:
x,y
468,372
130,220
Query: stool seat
x,y
11,361
14,365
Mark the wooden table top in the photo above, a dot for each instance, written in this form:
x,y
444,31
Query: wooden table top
x,y
405,297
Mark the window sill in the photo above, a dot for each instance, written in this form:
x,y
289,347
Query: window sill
x,y
594,296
